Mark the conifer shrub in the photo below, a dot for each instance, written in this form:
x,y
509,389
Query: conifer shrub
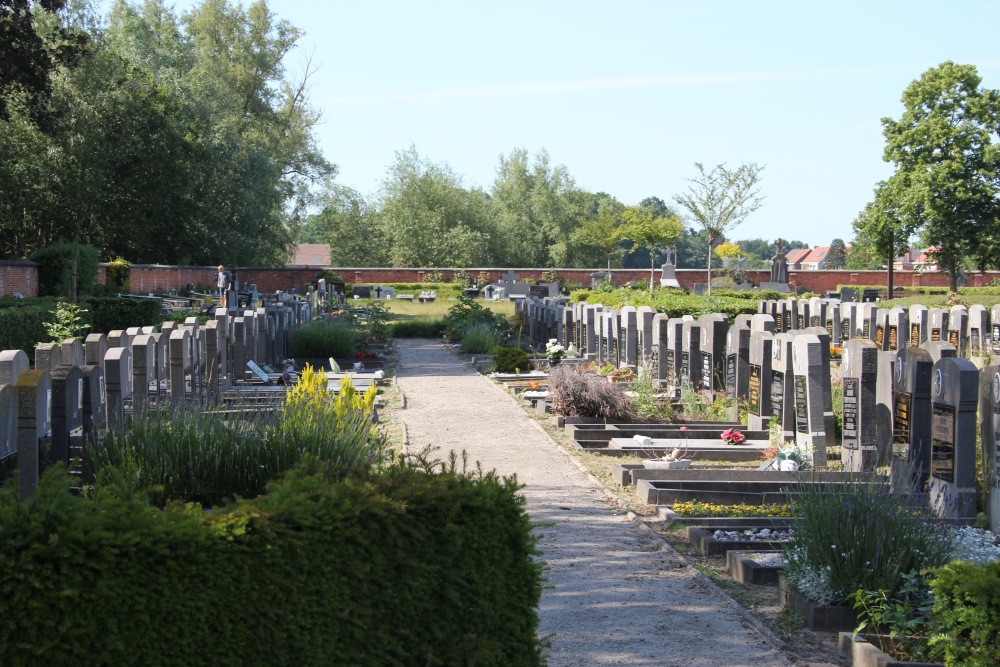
x,y
510,360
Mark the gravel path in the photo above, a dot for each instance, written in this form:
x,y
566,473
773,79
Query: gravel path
x,y
616,594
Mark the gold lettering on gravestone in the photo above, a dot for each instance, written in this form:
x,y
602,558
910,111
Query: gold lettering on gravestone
x,y
914,335
893,337
779,323
974,340
753,390
879,336
866,329
846,333
669,357
943,442
953,338
798,321
901,404
706,371
685,369
801,405
935,334
829,327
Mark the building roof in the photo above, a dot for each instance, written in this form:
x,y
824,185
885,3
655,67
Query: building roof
x,y
796,255
816,255
309,254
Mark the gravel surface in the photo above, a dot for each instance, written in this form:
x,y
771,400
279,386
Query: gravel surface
x,y
617,594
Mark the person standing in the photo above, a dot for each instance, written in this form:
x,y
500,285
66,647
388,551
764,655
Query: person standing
x,y
224,281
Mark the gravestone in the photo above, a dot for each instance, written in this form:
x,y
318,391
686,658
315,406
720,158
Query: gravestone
x,y
833,325
742,319
759,409
780,317
884,404
67,412
881,337
645,316
899,324
848,322
8,421
762,322
117,381
658,348
989,412
237,365
12,364
939,349
918,325
94,405
94,348
713,351
689,370
979,329
34,425
566,327
587,335
803,315
865,324
668,272
791,313
179,361
848,295
783,384
954,403
738,362
384,292
995,329
958,328
810,390
48,356
817,312
361,291
670,365
911,413
143,366
829,421
937,324
628,337
859,366
73,352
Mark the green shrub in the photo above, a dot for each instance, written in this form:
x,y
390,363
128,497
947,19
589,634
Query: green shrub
x,y
510,360
419,328
324,338
119,275
406,566
467,313
23,327
479,339
579,295
967,614
112,313
54,268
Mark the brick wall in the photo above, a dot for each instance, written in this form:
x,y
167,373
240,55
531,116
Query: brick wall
x,y
150,277
20,277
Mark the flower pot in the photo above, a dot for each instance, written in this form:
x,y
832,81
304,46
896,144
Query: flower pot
x,y
660,464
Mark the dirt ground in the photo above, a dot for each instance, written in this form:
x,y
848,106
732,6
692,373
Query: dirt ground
x,y
618,593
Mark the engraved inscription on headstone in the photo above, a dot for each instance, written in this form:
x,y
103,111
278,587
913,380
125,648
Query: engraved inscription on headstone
x,y
943,442
754,389
902,404
801,405
731,376
851,391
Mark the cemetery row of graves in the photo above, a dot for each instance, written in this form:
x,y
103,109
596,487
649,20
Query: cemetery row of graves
x,y
154,476
919,443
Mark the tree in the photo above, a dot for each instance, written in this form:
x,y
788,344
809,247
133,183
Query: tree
x,y
720,200
601,231
836,258
350,227
640,226
947,176
882,230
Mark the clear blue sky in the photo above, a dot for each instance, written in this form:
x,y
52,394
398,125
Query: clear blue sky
x,y
629,95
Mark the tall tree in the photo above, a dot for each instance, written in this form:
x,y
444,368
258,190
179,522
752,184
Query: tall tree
x,y
599,233
645,230
883,229
350,227
947,180
720,200
836,258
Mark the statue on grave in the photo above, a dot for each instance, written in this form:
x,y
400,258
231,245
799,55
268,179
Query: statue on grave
x,y
779,264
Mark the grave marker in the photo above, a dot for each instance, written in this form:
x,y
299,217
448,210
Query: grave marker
x,y
979,329
954,402
689,369
937,324
34,423
911,413
759,407
67,412
738,362
713,351
783,384
810,390
12,364
989,412
859,365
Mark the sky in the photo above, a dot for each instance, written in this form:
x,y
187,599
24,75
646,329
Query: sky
x,y
629,95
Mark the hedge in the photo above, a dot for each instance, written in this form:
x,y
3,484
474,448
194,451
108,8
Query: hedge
x,y
111,313
54,268
967,614
403,567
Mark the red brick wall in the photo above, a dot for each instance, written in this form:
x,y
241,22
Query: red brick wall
x,y
150,278
17,276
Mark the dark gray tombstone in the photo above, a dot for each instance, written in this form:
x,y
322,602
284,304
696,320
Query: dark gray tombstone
x,y
239,355
645,316
803,315
628,328
34,423
67,412
829,421
361,291
865,324
179,360
954,403
979,329
117,382
817,312
918,325
783,384
8,421
738,362
143,366
859,366
884,401
658,347
94,405
689,370
612,332
911,413
714,327
810,390
670,365
12,364
848,295
591,318
848,322
833,324
780,317
958,328
759,409
995,329
989,429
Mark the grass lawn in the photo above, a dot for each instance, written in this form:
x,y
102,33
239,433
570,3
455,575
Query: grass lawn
x,y
402,309
938,300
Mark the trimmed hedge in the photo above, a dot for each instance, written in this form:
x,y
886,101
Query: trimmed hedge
x,y
418,328
54,268
111,313
404,567
324,338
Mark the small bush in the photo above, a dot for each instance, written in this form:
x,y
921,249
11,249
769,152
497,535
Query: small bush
x,y
575,393
967,614
510,360
321,339
467,313
54,268
479,339
111,313
119,275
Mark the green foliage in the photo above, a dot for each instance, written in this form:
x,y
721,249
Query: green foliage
x,y
643,229
431,565
704,406
900,624
324,338
373,325
418,328
579,295
111,313
675,303
462,277
479,339
21,328
510,360
646,401
54,268
119,274
468,312
68,322
860,533
967,611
